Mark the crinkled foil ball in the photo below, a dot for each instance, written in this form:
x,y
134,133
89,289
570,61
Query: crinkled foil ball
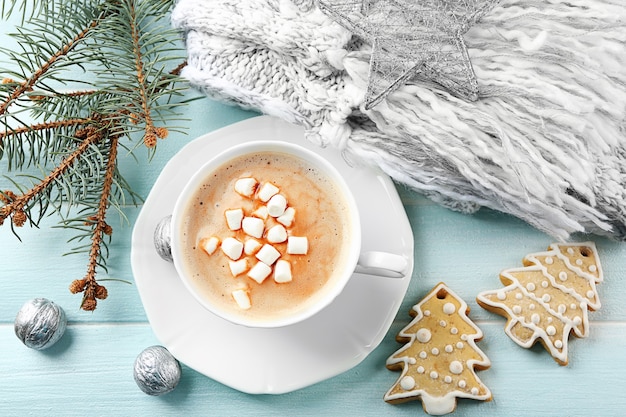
x,y
156,371
162,238
40,323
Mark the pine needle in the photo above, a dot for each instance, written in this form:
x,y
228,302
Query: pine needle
x,y
60,135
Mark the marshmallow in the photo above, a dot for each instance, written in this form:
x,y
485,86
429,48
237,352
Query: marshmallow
x,y
234,218
276,205
238,267
297,245
267,191
242,299
232,248
286,219
261,213
277,234
282,272
259,272
251,246
253,226
246,186
267,254
210,244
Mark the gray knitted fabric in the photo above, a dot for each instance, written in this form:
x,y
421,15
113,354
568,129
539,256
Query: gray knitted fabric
x,y
546,142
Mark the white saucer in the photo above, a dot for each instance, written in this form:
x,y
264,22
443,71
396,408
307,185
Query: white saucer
x,y
272,361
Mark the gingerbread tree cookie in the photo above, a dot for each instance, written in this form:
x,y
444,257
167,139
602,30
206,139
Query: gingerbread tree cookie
x,y
549,297
440,356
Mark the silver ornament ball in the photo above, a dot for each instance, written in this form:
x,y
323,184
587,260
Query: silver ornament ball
x,y
40,323
156,371
162,238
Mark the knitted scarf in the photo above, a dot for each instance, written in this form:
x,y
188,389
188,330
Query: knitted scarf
x,y
546,141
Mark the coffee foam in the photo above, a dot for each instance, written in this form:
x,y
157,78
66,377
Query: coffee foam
x,y
321,213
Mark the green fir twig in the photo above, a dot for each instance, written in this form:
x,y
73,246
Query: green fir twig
x,y
69,130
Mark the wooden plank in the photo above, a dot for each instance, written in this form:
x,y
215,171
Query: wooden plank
x,y
36,267
89,372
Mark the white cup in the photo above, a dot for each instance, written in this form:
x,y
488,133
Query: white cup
x,y
373,263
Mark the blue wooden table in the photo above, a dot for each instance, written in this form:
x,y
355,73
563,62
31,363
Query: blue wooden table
x,y
90,371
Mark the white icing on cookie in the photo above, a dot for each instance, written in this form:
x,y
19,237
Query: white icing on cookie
x,y
456,367
535,318
423,335
407,383
449,308
434,357
566,275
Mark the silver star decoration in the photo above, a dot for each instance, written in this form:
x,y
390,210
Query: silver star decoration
x,y
413,39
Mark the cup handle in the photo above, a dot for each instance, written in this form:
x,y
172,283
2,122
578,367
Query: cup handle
x,y
382,264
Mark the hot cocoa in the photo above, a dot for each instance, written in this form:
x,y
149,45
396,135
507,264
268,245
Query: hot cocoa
x,y
265,234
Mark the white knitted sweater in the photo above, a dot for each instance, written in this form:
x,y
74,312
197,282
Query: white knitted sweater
x,y
546,142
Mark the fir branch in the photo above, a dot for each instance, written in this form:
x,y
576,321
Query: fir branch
x,y
150,136
40,142
15,205
28,84
28,8
128,50
90,287
58,105
42,126
144,51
